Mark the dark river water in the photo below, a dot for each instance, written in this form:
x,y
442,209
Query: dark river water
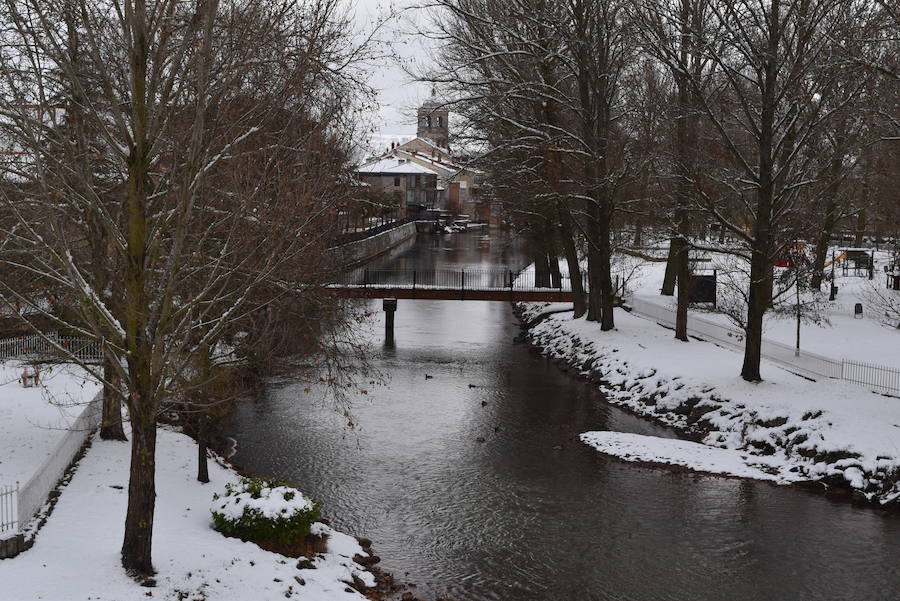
x,y
466,471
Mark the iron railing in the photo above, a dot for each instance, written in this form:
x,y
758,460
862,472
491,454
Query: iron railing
x,y
879,378
51,346
449,279
9,514
477,278
348,237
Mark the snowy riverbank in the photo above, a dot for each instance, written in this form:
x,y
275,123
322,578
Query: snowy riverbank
x,y
76,553
785,429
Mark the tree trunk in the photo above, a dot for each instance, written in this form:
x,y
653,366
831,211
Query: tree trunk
x,y
202,444
607,293
555,275
684,290
821,250
595,288
579,303
860,227
668,287
111,422
756,310
541,270
138,543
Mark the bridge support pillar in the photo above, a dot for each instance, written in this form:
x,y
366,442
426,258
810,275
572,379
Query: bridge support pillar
x,y
389,305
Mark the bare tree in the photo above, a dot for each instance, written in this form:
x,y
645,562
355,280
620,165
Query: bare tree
x,y
212,122
771,64
539,83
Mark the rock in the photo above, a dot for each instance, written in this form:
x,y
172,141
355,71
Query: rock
x,y
306,564
359,585
349,590
366,561
300,581
364,542
859,496
407,597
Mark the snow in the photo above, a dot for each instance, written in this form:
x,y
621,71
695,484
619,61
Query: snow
x,y
392,165
76,554
817,430
275,502
684,453
843,336
34,419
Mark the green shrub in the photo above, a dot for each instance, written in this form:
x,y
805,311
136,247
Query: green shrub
x,y
264,510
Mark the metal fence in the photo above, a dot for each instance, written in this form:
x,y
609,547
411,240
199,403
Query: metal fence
x,y
451,279
47,348
877,377
9,516
33,494
491,278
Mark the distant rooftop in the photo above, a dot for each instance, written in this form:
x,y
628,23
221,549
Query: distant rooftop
x,y
394,165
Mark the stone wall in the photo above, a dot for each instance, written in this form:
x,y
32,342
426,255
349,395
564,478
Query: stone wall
x,y
363,250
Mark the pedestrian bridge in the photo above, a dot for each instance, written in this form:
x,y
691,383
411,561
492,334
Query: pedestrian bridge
x,y
492,284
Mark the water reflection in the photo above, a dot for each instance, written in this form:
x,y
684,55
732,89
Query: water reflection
x,y
467,472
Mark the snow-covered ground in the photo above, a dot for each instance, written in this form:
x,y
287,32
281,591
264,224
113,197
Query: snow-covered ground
x,y
684,453
790,428
34,419
841,337
76,554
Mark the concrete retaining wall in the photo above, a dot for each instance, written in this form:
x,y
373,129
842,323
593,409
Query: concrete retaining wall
x,y
363,250
12,546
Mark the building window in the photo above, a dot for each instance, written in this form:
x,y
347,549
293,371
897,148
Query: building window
x,y
428,121
440,122
397,182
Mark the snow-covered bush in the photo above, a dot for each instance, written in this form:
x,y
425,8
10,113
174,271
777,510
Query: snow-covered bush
x,y
264,510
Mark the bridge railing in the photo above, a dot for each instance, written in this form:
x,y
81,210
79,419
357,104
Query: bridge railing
x,y
451,279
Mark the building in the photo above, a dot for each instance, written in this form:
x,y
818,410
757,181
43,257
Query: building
x,y
456,187
433,124
397,180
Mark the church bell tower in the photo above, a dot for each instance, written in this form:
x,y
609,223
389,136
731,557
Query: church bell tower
x,y
432,121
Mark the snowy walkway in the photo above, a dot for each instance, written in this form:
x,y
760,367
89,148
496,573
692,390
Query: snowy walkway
x,y
845,337
33,420
76,554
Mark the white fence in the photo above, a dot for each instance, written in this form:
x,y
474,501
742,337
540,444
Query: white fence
x,y
47,347
9,517
28,499
877,377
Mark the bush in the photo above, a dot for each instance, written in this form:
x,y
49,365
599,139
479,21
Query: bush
x,y
265,511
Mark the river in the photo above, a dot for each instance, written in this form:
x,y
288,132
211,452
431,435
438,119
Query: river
x,y
466,471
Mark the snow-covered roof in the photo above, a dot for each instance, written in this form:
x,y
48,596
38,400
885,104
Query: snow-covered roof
x,y
442,164
394,165
429,142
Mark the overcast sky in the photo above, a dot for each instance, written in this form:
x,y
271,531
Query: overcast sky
x,y
397,94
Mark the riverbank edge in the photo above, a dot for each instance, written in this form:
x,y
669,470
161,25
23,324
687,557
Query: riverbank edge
x,y
385,588
829,471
